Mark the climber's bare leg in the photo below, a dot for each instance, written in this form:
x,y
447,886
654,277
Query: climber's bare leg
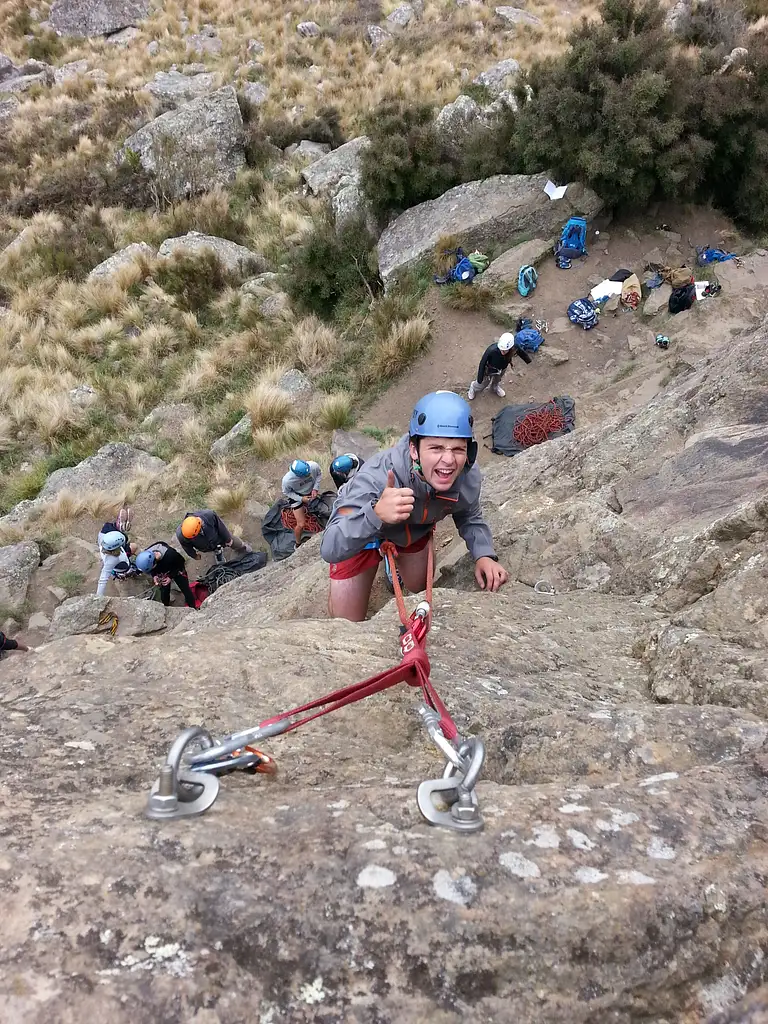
x,y
348,599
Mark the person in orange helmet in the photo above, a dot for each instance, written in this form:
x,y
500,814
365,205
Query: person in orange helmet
x,y
204,531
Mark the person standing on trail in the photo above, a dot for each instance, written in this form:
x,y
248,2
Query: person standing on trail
x,y
493,365
204,531
163,563
399,496
301,484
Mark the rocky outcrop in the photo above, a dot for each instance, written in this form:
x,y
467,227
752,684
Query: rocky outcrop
x,y
480,214
176,88
92,614
194,148
124,258
233,440
236,259
499,77
353,441
17,564
503,271
324,174
458,121
307,150
111,466
20,79
516,16
95,17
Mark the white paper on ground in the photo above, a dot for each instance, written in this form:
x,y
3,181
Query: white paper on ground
x,y
701,288
605,290
555,191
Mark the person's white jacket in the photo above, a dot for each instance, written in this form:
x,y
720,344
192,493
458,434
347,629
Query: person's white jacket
x,y
109,562
297,487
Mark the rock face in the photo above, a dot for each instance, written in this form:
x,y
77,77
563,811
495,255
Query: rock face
x,y
235,438
516,16
114,264
480,214
354,441
194,148
19,79
621,873
307,150
17,564
233,257
324,174
135,617
457,121
95,17
502,272
176,88
111,466
499,77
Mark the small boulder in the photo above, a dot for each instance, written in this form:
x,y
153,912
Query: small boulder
x,y
307,150
124,37
658,300
377,36
499,77
194,148
237,259
274,306
308,29
69,71
202,43
556,356
255,93
255,47
8,107
349,203
296,385
111,466
457,121
233,440
115,263
168,421
503,271
83,396
401,16
96,17
135,617
17,566
353,441
324,174
39,620
173,87
516,16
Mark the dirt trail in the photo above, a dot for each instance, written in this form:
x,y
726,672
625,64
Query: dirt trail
x,y
601,373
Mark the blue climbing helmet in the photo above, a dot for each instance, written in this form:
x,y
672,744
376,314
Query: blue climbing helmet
x,y
145,560
113,540
300,467
444,414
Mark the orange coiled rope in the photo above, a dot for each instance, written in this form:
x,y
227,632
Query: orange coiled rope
x,y
538,426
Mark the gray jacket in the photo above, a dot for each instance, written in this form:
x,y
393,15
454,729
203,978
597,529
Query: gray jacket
x,y
347,534
298,487
213,533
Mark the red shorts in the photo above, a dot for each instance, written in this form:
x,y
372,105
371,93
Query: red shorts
x,y
369,557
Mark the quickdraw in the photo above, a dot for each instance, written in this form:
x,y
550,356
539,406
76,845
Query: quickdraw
x,y
189,781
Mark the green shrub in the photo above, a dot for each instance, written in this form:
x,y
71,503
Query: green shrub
x,y
74,251
194,281
70,580
23,486
406,162
331,271
46,46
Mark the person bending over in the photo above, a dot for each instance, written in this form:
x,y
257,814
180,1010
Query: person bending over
x,y
399,495
163,563
204,531
300,485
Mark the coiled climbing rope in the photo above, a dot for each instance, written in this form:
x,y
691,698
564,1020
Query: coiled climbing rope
x,y
538,426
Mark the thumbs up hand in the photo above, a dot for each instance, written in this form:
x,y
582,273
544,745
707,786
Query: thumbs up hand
x,y
395,504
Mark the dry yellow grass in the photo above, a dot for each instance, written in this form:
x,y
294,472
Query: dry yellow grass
x,y
335,411
226,500
267,406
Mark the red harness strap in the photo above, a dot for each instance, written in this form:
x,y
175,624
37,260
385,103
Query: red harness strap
x,y
413,669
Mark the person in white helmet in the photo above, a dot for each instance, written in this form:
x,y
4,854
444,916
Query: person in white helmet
x,y
493,366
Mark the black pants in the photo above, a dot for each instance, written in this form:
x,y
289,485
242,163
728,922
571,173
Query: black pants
x,y
182,582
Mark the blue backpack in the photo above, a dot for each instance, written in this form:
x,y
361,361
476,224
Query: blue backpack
x,y
573,239
529,339
526,280
583,313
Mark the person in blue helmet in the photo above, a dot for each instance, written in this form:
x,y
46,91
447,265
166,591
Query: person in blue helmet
x,y
163,563
399,495
300,485
344,467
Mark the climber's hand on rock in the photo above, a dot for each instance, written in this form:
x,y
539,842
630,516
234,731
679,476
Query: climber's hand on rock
x,y
489,574
395,504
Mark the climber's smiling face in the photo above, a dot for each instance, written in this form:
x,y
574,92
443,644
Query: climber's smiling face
x,y
441,460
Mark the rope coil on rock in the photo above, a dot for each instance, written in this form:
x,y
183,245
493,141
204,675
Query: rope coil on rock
x,y
539,425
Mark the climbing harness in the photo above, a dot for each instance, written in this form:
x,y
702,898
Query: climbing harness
x,y
188,782
539,425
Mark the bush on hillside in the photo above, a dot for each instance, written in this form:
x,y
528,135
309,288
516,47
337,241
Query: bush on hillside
x,y
406,162
331,271
194,281
624,111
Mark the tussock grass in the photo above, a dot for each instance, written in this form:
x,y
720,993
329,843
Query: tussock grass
x,y
467,297
226,500
314,343
267,406
335,411
405,342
